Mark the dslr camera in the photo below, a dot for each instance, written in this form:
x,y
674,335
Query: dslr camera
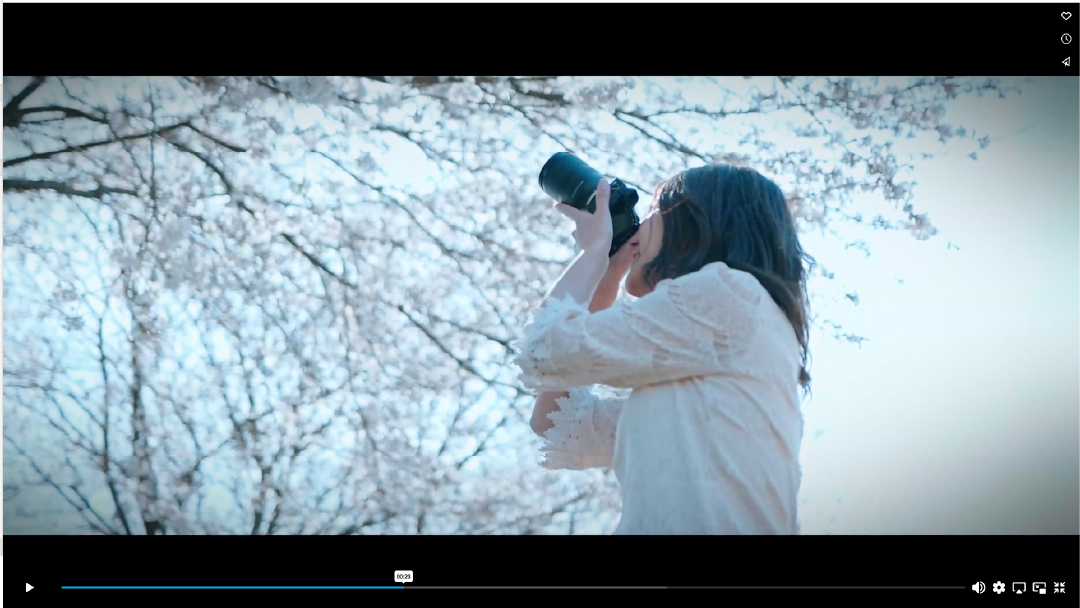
x,y
568,180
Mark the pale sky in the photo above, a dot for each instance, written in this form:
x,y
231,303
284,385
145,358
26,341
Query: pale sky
x,y
961,414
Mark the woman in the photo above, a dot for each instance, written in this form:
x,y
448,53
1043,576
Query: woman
x,y
715,350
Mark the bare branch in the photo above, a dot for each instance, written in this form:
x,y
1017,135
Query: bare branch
x,y
11,108
26,185
67,112
88,146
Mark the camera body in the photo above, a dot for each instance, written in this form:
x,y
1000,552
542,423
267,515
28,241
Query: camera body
x,y
568,180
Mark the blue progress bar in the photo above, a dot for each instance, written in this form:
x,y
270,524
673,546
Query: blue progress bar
x,y
396,587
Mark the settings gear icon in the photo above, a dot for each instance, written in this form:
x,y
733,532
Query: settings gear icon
x,y
999,587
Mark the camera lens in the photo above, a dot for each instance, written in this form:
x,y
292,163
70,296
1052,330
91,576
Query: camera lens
x,y
568,180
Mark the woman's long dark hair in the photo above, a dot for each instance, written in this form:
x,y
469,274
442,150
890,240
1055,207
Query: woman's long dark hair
x,y
734,215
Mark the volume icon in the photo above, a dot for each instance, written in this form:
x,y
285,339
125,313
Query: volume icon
x,y
979,587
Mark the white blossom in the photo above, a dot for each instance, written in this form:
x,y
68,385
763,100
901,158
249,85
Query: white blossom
x,y
173,233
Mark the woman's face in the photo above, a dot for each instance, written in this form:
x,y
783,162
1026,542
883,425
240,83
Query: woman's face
x,y
649,237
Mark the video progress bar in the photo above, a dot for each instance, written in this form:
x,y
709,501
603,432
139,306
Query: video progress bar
x,y
961,588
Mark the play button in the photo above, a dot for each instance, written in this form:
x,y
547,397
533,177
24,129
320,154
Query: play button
x,y
29,586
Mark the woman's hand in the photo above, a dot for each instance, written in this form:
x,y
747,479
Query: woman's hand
x,y
593,232
607,291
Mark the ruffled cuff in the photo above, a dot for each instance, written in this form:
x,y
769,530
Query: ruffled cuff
x,y
572,443
534,357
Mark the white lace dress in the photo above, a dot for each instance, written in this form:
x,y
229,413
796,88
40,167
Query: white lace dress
x,y
708,440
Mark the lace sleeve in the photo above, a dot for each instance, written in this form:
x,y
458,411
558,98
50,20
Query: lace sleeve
x,y
698,324
584,433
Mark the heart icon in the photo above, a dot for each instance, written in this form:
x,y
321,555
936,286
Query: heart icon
x,y
1066,16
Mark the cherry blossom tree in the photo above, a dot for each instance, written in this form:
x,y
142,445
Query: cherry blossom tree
x,y
287,305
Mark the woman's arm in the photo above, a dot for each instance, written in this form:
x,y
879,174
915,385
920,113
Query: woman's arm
x,y
605,294
578,425
696,325
584,431
579,282
547,402
582,277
